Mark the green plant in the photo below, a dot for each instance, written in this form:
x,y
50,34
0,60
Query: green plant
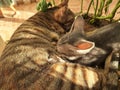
x,y
81,11
101,6
53,2
43,5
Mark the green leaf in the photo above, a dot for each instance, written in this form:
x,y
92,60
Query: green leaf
x,y
107,5
43,5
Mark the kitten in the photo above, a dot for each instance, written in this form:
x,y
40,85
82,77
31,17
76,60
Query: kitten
x,y
74,47
90,48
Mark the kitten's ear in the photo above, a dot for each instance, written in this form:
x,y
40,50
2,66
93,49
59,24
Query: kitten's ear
x,y
79,21
61,13
78,25
63,3
85,46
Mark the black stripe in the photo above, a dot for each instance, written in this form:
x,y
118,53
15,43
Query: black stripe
x,y
59,81
84,76
74,75
28,77
63,75
35,43
37,34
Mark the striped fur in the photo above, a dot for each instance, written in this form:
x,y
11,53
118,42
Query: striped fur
x,y
24,62
75,77
26,54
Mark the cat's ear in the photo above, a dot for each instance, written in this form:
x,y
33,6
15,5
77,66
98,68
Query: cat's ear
x,y
61,13
85,46
78,25
79,21
63,3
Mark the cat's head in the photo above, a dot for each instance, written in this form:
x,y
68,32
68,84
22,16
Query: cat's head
x,y
63,15
76,39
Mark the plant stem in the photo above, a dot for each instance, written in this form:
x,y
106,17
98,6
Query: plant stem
x,y
89,7
53,2
81,11
94,17
96,8
115,9
108,2
100,10
111,16
93,5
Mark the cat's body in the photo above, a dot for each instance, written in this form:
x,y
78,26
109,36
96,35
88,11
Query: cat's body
x,y
25,65
104,40
107,37
26,55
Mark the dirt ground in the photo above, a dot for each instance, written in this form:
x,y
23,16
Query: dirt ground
x,y
9,24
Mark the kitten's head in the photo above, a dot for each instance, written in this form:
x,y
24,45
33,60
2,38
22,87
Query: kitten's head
x,y
63,15
76,39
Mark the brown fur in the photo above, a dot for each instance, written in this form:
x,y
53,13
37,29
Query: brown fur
x,y
25,58
25,65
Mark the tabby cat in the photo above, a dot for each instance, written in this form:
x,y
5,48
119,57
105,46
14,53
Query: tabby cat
x,y
30,47
25,65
